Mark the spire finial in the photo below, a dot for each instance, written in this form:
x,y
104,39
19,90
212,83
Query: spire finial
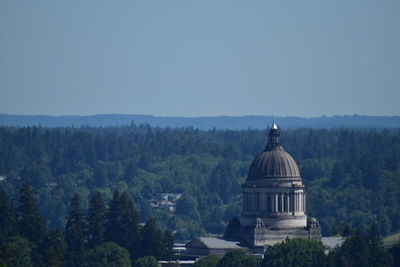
x,y
274,125
273,136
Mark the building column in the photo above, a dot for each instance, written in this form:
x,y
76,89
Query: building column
x,y
287,202
298,202
292,202
301,201
272,198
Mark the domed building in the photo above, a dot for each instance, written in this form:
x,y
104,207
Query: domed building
x,y
274,200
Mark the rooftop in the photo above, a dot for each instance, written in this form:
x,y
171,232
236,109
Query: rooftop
x,y
212,242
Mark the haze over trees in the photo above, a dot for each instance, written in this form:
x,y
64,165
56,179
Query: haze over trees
x,y
203,123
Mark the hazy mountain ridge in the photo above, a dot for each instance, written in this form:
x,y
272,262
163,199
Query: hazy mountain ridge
x,y
203,123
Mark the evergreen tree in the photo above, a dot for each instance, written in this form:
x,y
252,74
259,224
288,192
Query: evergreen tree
x,y
113,225
232,228
55,252
122,224
30,223
348,230
20,252
74,232
337,228
379,256
96,219
8,221
167,245
151,239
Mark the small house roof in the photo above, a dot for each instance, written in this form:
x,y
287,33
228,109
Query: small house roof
x,y
332,241
215,243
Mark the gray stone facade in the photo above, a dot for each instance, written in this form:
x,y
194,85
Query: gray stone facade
x,y
274,200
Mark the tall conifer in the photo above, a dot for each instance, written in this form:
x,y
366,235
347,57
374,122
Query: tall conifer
x,y
56,248
122,223
74,232
8,221
96,220
151,239
167,245
113,219
30,223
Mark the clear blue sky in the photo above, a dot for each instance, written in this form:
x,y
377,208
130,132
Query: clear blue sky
x,y
200,57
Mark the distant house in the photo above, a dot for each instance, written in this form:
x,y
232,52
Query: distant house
x,y
331,242
210,245
170,197
167,201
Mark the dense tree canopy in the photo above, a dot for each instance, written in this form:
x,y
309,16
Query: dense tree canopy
x,y
296,252
239,258
106,255
351,175
82,242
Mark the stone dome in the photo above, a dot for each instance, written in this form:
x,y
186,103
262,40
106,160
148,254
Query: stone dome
x,y
276,163
273,162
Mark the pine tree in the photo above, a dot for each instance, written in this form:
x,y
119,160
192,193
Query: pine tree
x,y
74,232
151,239
96,220
21,253
8,221
113,218
122,224
55,252
379,256
30,223
348,230
167,245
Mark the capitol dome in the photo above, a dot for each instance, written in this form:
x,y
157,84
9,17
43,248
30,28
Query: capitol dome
x,y
273,162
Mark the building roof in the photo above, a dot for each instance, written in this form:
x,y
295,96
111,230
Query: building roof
x,y
215,243
331,242
275,163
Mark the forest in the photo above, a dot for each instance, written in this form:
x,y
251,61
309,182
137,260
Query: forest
x,y
102,235
352,176
110,235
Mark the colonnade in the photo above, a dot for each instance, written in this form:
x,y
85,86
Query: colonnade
x,y
279,202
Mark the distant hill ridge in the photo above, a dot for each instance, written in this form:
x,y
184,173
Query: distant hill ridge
x,y
203,123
